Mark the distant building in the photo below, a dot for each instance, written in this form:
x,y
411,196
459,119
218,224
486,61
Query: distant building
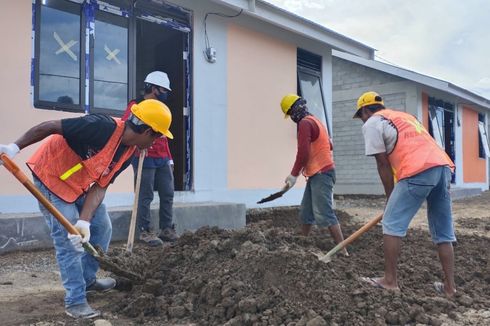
x,y
456,118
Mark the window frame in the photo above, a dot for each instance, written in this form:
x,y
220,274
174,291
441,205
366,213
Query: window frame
x,y
483,147
109,16
311,64
43,104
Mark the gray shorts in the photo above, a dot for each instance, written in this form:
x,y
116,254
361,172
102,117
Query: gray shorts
x,y
316,205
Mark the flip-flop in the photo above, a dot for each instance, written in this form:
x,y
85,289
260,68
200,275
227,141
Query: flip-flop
x,y
439,287
375,283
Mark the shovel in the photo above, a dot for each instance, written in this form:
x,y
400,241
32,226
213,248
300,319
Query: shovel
x,y
274,195
134,213
105,263
328,256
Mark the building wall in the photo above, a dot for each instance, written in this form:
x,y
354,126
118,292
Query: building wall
x,y
474,167
259,139
357,173
17,113
218,171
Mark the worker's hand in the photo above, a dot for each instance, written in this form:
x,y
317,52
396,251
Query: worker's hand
x,y
290,180
171,163
10,150
76,241
84,228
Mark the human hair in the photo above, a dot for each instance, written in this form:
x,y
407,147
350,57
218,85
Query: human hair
x,y
374,107
139,129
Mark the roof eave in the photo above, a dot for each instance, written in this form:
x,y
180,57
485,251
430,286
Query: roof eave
x,y
296,24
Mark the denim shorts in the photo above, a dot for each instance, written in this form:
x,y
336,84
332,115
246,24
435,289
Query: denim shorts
x,y
410,193
316,205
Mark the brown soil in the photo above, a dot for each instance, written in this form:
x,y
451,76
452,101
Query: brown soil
x,y
266,274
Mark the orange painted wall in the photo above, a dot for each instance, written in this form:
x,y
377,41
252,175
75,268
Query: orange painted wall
x,y
425,110
261,143
474,168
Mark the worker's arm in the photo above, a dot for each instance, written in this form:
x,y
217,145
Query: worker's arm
x,y
385,173
32,136
39,132
94,197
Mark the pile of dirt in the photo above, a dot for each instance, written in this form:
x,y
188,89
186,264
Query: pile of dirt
x,y
267,274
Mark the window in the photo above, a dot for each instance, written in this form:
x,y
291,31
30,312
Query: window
x,y
309,83
58,46
110,60
484,150
436,115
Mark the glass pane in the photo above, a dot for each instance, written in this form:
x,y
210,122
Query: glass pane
x,y
436,126
311,91
483,137
110,66
59,56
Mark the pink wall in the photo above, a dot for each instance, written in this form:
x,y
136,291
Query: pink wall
x,y
261,143
474,168
17,113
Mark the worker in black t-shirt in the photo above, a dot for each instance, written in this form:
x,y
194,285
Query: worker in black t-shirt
x,y
73,169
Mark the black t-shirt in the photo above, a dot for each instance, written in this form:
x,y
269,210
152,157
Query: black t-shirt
x,y
87,135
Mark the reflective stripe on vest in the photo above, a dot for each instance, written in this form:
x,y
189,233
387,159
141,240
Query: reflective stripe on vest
x,y
415,150
70,171
320,150
66,175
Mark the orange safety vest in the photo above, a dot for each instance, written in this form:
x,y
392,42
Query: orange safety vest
x,y
65,174
415,150
320,150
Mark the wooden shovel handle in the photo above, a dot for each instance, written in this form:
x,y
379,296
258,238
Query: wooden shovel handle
x,y
17,172
352,237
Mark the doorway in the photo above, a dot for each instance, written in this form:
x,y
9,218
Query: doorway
x,y
162,48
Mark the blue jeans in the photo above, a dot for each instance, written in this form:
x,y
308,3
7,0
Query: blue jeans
x,y
316,205
410,193
161,179
77,269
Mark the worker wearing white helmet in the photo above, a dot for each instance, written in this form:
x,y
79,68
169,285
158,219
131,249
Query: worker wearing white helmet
x,y
157,173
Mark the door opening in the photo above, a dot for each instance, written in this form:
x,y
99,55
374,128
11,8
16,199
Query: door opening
x,y
160,48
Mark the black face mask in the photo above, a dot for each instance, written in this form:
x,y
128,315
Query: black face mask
x,y
299,111
162,96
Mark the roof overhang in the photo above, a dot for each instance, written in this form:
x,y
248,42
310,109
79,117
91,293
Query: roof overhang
x,y
418,78
296,24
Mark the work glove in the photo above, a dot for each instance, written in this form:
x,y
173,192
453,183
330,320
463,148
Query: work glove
x,y
10,150
290,180
84,228
76,241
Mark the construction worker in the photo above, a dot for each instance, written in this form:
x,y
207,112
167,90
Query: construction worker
x,y
412,168
314,159
157,172
73,169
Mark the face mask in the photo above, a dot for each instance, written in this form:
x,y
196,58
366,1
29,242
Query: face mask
x,y
162,97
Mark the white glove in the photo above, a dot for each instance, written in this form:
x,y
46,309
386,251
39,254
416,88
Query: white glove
x,y
290,180
76,241
84,228
11,150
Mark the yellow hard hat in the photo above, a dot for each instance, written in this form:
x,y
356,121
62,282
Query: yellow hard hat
x,y
287,102
368,98
154,114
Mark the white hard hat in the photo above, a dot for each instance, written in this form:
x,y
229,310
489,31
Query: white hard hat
x,y
158,78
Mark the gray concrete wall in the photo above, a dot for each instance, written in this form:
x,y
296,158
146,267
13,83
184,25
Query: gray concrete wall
x,y
357,173
29,231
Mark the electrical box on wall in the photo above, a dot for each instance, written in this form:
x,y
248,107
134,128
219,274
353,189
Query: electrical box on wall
x,y
210,54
